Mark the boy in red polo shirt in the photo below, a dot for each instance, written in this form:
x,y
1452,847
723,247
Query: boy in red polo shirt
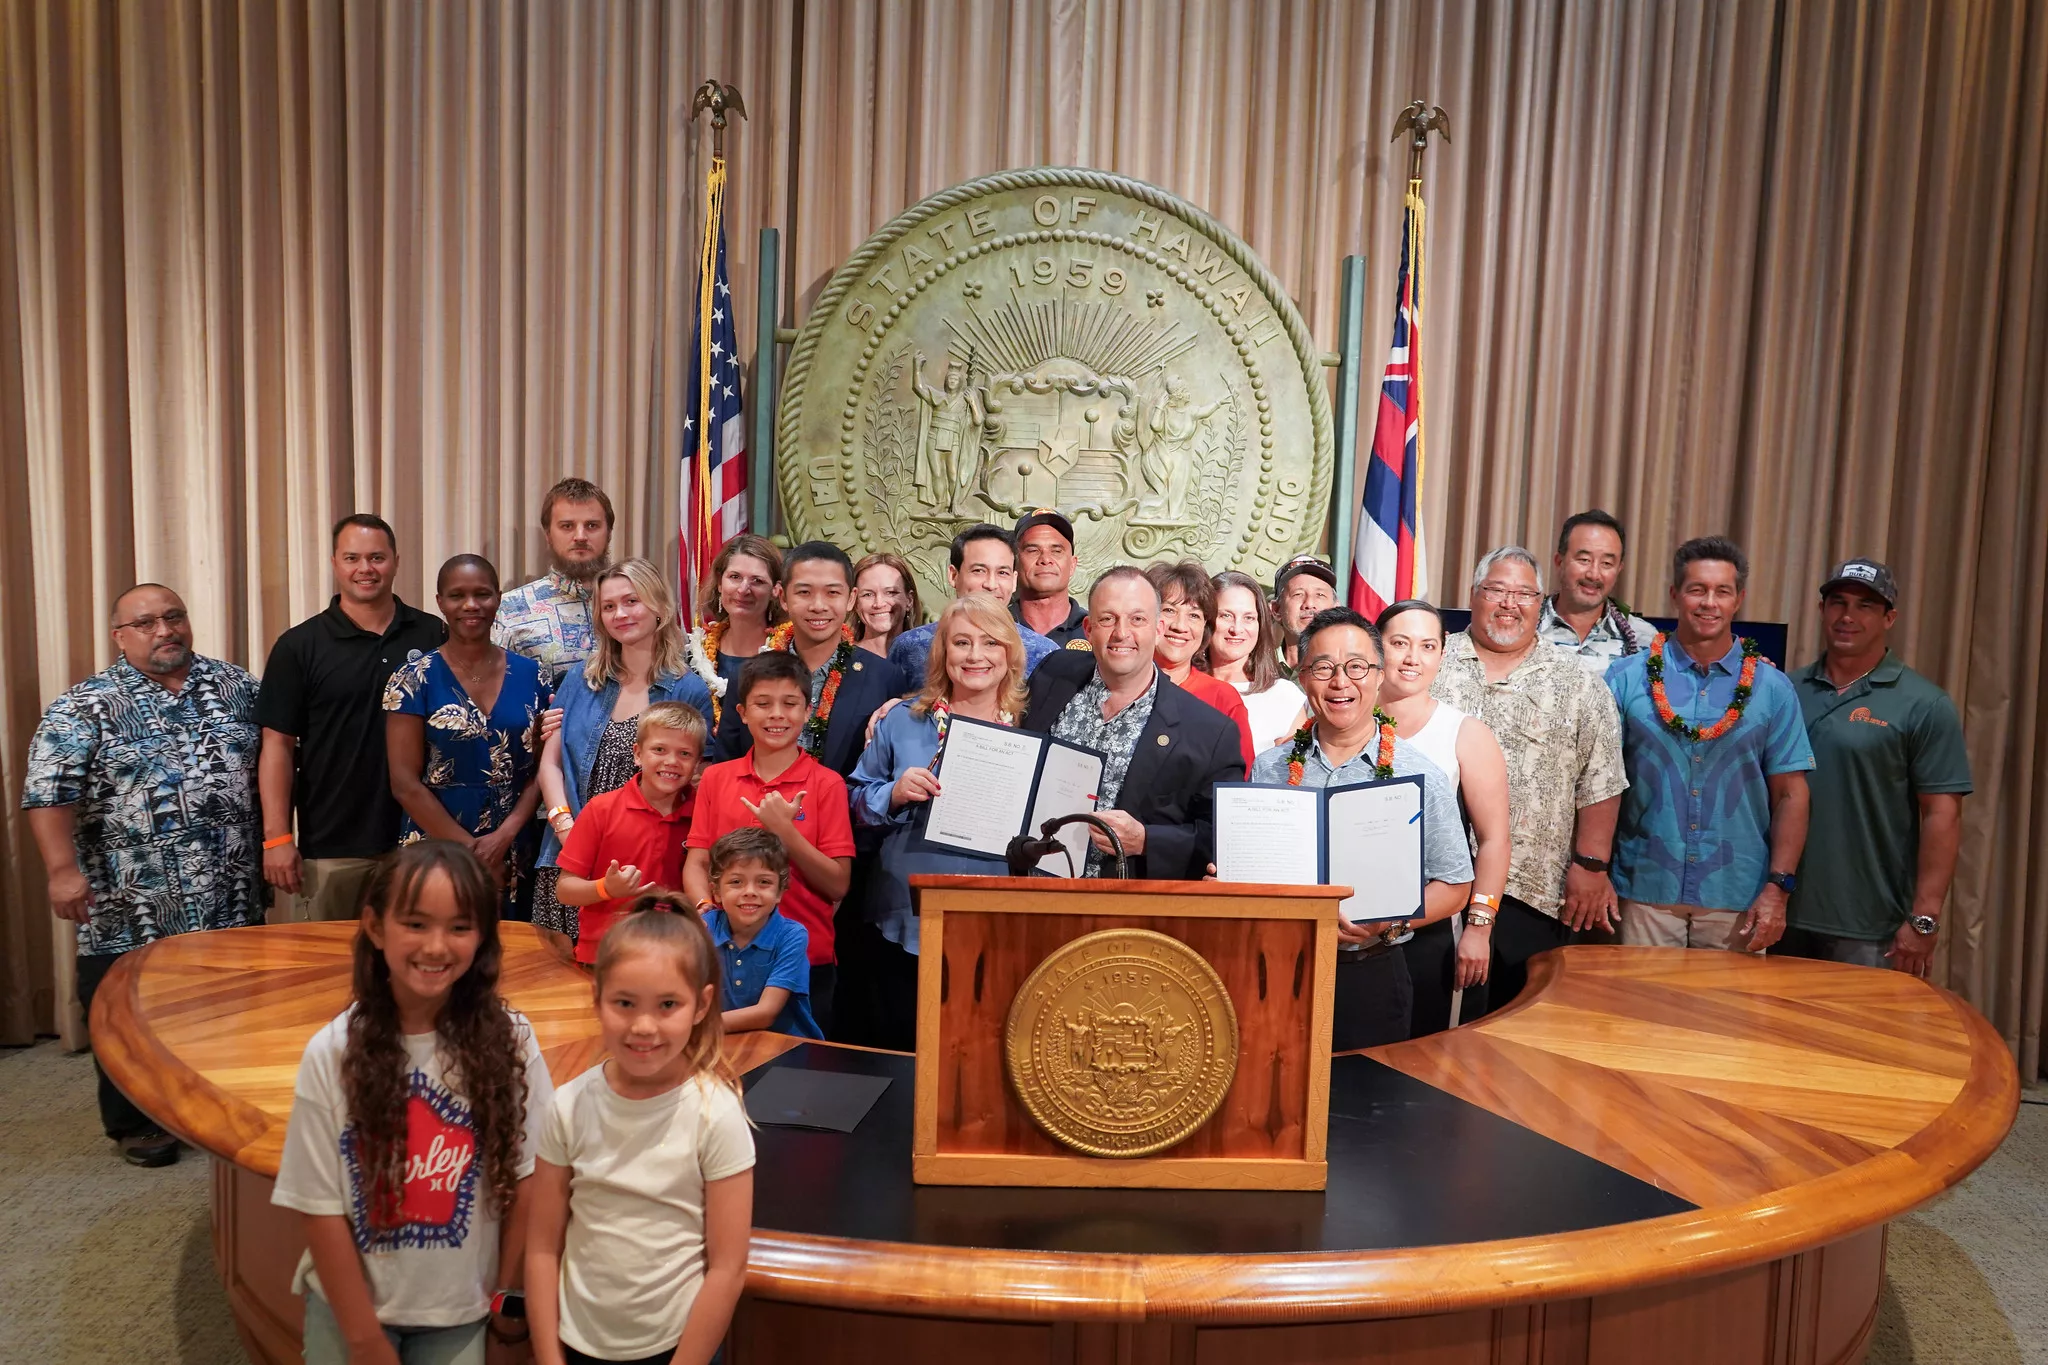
x,y
784,790
631,839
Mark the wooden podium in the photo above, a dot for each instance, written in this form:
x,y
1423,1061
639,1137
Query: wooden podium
x,y
1274,949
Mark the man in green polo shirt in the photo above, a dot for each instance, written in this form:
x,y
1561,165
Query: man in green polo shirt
x,y
1889,778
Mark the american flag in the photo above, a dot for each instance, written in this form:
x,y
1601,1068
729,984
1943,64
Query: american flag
x,y
714,431
1387,561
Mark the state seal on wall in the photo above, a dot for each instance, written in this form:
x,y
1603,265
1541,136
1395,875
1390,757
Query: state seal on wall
x,y
1064,339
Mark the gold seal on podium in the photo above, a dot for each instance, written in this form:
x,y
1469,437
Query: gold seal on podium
x,y
1122,1043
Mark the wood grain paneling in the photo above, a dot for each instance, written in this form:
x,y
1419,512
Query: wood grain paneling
x,y
1623,1054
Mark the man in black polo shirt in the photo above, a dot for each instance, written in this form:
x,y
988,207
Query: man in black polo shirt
x,y
1045,570
1889,778
322,711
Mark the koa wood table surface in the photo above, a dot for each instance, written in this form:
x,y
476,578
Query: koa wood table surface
x,y
1653,1155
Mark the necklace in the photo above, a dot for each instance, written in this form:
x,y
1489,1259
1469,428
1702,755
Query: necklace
x,y
1675,723
813,737
1383,761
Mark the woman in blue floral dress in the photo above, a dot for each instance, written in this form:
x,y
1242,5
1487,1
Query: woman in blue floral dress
x,y
459,729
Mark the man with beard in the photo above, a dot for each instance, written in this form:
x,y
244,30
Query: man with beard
x,y
1707,850
1582,617
141,794
548,620
1304,586
1562,740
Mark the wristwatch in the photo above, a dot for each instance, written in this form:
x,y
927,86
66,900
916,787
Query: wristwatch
x,y
1784,881
1590,864
1925,925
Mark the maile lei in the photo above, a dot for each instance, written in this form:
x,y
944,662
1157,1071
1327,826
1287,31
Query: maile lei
x,y
1676,723
813,737
1383,762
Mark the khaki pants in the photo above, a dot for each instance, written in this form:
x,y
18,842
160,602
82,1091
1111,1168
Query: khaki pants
x,y
1679,926
328,889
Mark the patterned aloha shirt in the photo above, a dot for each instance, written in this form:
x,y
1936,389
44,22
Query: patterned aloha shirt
x,y
1116,739
1616,635
1561,735
547,620
169,832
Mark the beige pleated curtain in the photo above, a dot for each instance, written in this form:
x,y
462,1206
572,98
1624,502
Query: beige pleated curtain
x,y
1772,268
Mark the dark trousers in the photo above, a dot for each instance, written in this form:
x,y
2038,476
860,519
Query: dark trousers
x,y
878,1003
824,990
118,1116
1519,933
576,1357
1433,968
1374,999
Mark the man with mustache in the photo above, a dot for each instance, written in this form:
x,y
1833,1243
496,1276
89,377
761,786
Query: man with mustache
x,y
1888,785
1304,586
1582,617
1714,820
1558,731
548,620
141,794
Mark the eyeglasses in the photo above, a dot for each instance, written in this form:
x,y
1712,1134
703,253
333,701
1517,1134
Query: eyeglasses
x,y
1521,597
147,624
1324,670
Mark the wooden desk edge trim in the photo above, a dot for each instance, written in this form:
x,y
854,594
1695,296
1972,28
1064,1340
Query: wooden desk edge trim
x,y
1071,886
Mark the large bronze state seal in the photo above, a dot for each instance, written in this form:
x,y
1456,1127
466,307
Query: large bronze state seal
x,y
1121,1043
1057,338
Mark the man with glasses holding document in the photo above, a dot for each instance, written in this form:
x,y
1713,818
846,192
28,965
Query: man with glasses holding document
x,y
1348,744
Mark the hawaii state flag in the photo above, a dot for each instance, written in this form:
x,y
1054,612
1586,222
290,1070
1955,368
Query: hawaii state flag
x,y
714,478
1387,558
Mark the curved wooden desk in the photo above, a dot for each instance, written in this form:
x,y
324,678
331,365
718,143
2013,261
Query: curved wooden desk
x,y
1799,1105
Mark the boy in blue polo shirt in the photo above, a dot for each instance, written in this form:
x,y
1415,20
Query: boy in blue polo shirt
x,y
767,970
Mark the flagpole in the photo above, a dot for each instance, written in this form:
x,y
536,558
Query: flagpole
x,y
1417,122
700,508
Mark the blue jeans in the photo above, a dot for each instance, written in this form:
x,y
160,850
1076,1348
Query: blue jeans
x,y
325,1345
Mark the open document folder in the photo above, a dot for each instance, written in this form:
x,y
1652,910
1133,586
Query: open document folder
x,y
1367,836
996,783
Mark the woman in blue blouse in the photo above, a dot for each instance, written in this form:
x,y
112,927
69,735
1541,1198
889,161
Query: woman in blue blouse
x,y
976,670
638,662
459,729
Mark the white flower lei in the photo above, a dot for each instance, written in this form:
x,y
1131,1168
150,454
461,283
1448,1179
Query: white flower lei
x,y
700,663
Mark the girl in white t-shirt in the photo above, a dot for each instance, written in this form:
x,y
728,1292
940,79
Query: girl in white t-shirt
x,y
413,1128
644,1194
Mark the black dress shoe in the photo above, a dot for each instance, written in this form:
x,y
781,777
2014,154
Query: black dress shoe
x,y
153,1148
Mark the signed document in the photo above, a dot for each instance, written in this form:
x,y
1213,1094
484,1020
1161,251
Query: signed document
x,y
996,783
1367,837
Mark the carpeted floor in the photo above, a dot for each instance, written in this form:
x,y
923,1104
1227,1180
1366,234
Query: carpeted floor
x,y
102,1262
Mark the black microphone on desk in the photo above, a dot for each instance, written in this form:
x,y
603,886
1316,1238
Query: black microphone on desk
x,y
1024,851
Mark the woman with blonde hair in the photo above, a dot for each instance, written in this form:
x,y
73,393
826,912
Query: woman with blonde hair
x,y
638,661
884,602
739,608
977,671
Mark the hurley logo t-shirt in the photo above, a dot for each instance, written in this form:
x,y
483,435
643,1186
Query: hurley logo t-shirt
x,y
438,1265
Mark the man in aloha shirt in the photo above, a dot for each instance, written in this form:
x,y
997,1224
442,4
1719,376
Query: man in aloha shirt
x,y
548,620
141,793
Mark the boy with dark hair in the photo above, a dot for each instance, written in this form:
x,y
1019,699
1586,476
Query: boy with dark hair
x,y
846,684
630,839
782,789
766,979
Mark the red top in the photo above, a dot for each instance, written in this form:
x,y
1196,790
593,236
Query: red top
x,y
1224,698
620,824
825,822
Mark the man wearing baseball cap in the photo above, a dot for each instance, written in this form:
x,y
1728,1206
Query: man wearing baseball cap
x,y
1304,586
1045,568
1888,784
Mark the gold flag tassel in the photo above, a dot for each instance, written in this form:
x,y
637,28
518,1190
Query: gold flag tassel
x,y
707,283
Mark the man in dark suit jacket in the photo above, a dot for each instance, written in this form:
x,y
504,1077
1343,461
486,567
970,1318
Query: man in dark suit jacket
x,y
1166,751
817,593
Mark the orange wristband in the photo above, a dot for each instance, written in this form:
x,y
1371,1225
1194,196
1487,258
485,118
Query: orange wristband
x,y
1481,898
279,842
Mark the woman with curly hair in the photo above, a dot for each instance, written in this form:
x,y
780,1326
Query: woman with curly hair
x,y
738,607
414,1124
